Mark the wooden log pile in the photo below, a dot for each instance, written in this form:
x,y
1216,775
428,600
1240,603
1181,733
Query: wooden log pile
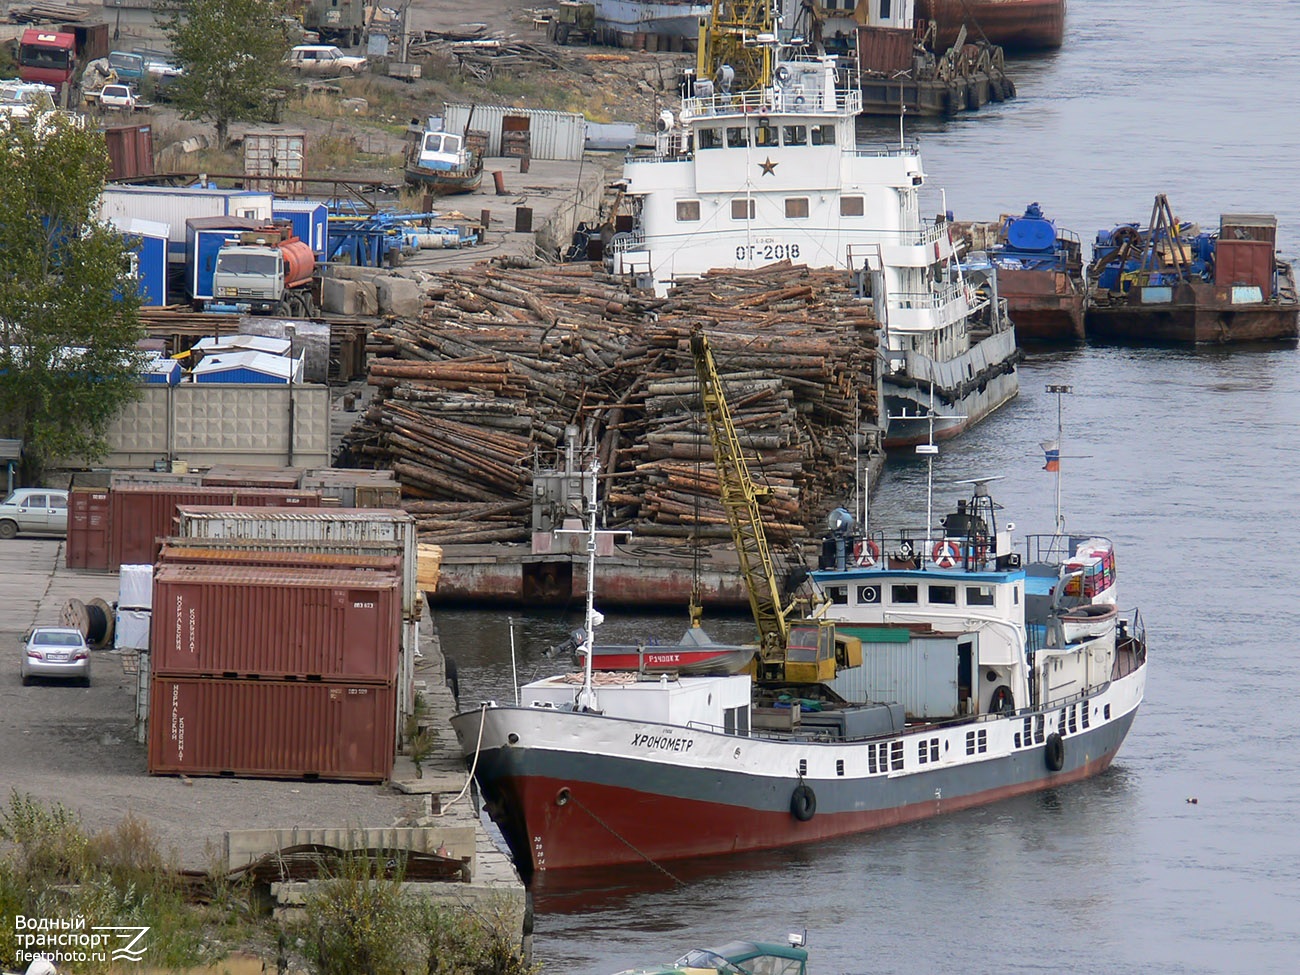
x,y
506,356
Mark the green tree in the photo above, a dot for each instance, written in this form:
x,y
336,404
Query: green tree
x,y
69,311
232,52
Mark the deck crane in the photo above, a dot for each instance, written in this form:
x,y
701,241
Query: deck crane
x,y
739,35
792,647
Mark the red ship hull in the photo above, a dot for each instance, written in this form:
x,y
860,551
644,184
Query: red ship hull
x,y
1015,25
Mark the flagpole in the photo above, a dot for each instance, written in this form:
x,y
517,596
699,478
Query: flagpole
x,y
1059,390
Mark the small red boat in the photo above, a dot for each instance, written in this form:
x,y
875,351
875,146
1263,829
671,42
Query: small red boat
x,y
695,655
1014,25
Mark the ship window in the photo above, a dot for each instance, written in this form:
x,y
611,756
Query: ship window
x,y
765,135
896,756
922,752
688,210
1017,739
1105,713
795,135
1074,719
970,742
709,138
934,749
1086,715
737,137
796,206
851,206
903,594
742,209
943,595
983,740
803,766
839,766
979,595
839,595
1038,729
871,759
1015,595
823,135
884,9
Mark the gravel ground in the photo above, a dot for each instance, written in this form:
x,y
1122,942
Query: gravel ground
x,y
76,746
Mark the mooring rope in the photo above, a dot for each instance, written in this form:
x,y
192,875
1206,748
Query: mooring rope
x,y
482,720
624,840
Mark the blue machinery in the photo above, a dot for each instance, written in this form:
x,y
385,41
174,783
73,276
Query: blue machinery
x,y
378,239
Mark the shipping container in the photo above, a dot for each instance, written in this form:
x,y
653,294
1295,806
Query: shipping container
x,y
156,478
130,151
89,538
1248,226
142,515
885,50
334,526
270,622
275,159
271,729
310,221
204,238
551,134
1245,263
198,551
175,205
342,484
281,478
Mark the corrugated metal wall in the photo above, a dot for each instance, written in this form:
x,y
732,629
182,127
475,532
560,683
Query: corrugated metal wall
x,y
551,135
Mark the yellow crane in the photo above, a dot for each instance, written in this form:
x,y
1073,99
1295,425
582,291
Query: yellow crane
x,y
741,35
790,647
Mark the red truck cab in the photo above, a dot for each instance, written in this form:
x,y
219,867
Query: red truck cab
x,y
47,56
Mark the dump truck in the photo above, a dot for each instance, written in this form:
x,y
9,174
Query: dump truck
x,y
266,272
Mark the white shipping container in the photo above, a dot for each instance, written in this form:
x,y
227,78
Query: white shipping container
x,y
551,135
135,587
131,629
174,205
341,529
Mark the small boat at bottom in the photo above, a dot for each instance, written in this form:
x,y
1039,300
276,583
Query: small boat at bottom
x,y
440,162
1173,284
737,958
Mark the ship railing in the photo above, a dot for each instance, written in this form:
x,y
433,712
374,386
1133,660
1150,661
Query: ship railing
x,y
885,152
1053,549
631,240
927,300
783,100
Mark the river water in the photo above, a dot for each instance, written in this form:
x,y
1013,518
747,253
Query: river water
x,y
1186,459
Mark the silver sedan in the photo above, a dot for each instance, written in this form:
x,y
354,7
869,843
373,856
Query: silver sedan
x,y
56,651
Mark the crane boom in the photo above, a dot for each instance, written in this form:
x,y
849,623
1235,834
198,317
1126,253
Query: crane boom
x,y
740,498
740,34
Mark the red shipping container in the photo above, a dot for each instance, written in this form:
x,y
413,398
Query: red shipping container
x,y
130,151
271,729
1246,263
142,514
884,50
269,622
88,528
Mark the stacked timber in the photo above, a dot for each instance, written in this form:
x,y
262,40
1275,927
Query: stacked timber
x,y
505,357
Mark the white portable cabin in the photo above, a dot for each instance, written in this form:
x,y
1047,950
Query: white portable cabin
x,y
173,206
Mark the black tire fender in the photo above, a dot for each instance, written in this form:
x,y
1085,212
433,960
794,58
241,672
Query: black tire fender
x,y
803,803
1054,752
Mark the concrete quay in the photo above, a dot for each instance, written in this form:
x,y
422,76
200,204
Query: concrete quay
x,y
77,747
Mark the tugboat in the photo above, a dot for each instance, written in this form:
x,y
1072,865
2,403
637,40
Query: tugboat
x,y
1173,284
440,163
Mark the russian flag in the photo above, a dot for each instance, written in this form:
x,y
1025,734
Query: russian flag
x,y
1052,449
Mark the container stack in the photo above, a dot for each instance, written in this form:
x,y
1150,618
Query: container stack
x,y
284,642
265,666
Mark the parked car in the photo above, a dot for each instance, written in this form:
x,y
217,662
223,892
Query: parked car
x,y
117,98
55,651
324,60
34,511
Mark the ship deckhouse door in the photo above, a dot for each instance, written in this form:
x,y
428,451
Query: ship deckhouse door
x,y
965,675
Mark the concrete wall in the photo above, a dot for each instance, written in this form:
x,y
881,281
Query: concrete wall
x,y
212,423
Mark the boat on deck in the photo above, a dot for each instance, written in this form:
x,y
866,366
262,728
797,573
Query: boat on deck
x,y
980,673
1039,274
694,654
441,163
1172,284
1015,25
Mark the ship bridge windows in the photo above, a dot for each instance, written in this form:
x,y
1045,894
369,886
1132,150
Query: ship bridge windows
x,y
688,210
708,138
943,595
742,209
852,206
794,135
979,595
839,595
823,135
765,135
737,137
796,207
904,594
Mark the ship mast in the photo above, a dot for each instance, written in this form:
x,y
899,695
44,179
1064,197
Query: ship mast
x,y
1060,390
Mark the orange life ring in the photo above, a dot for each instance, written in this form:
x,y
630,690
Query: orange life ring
x,y
946,554
866,553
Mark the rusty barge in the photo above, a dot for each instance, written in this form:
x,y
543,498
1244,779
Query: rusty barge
x,y
1014,25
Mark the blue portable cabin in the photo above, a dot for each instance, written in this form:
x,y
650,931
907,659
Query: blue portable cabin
x,y
258,368
147,240
161,370
204,238
310,220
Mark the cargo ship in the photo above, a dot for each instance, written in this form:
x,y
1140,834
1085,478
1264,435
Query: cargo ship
x,y
1014,25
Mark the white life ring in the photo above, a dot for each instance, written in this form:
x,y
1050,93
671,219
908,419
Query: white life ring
x,y
946,554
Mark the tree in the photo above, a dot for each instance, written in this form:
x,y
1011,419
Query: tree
x,y
69,309
233,53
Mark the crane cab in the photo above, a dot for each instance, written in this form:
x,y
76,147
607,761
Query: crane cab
x,y
815,651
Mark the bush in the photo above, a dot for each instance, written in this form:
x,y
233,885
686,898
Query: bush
x,y
355,921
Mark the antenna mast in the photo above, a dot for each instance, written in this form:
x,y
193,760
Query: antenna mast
x,y
1060,390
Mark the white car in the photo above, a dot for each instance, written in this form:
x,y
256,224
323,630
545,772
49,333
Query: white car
x,y
34,511
324,60
115,98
